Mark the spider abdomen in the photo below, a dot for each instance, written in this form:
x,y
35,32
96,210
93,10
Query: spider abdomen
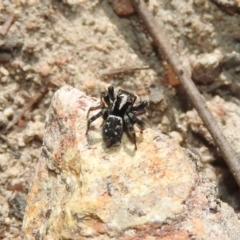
x,y
112,130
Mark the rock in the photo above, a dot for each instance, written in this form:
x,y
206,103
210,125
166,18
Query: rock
x,y
207,67
44,70
123,7
4,71
8,112
155,96
3,120
81,190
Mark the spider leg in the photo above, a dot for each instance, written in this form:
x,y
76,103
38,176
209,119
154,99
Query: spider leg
x,y
94,108
94,117
105,98
140,112
108,97
140,106
136,120
134,100
111,93
130,130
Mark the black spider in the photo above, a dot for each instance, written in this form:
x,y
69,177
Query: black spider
x,y
119,114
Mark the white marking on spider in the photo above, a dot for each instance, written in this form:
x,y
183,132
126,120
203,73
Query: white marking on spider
x,y
124,98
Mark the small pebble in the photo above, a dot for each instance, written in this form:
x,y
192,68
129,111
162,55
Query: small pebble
x,y
43,70
90,84
4,71
3,120
123,7
99,47
21,142
155,96
7,220
176,136
4,79
19,101
37,118
207,68
102,28
14,231
21,123
8,112
31,26
13,172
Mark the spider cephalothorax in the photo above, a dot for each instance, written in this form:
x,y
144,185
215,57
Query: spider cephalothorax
x,y
119,114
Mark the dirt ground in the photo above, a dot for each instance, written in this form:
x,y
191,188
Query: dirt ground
x,y
76,42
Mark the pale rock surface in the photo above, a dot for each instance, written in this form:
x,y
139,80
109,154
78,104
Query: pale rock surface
x,y
81,190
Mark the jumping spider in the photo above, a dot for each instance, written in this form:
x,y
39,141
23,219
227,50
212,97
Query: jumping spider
x,y
119,115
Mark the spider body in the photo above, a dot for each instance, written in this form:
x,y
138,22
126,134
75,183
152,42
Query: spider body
x,y
112,130
119,114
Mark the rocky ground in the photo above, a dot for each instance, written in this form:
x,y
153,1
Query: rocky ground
x,y
78,42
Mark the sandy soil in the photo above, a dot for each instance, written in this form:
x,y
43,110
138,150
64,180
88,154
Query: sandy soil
x,y
75,41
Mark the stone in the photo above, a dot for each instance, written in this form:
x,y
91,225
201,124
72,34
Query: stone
x,y
44,70
3,120
207,67
123,7
81,190
155,96
8,112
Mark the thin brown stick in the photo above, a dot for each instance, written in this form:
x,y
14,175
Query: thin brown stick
x,y
113,72
196,98
7,24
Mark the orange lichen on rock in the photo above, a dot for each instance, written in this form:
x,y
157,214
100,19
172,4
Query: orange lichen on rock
x,y
171,78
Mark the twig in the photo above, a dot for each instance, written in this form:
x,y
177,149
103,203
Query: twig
x,y
7,24
36,98
197,99
113,72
